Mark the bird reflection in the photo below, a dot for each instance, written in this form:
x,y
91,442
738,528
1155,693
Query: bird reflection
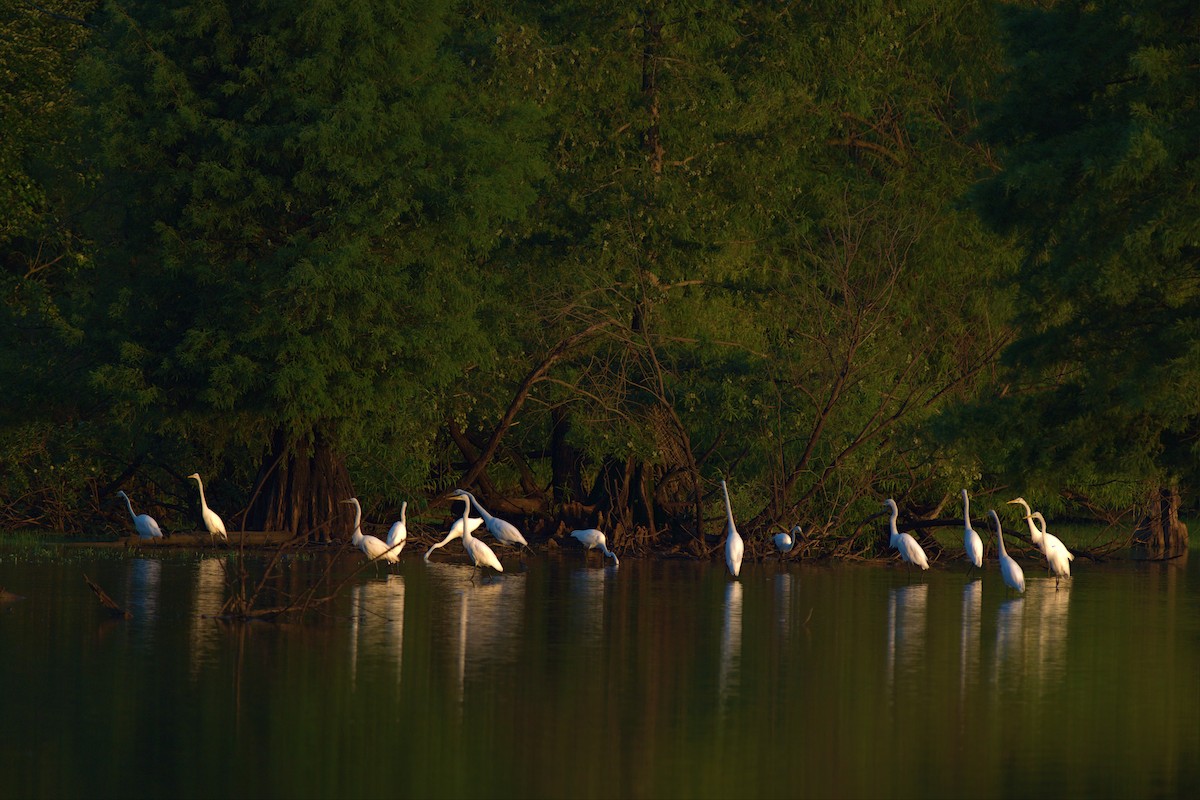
x,y
1047,646
142,591
731,642
210,597
1010,620
377,622
783,600
972,614
586,610
906,629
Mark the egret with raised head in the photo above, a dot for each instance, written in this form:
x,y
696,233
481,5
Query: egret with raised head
x,y
972,544
373,547
1014,576
734,546
910,550
212,522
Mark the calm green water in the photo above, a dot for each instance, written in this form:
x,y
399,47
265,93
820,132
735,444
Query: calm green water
x,y
657,679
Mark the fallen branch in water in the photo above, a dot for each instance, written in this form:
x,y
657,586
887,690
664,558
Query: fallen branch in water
x,y
105,600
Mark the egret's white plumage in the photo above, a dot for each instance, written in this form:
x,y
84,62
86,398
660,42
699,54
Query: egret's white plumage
x,y
784,542
1010,570
372,546
477,550
972,544
592,538
144,524
398,534
212,522
910,549
1058,557
734,546
502,531
456,532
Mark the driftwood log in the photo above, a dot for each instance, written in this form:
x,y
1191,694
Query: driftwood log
x,y
109,604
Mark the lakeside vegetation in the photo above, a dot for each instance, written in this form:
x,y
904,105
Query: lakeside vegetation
x,y
588,259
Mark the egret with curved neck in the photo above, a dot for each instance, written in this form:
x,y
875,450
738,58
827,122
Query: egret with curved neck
x,y
910,550
784,542
456,532
972,544
502,531
592,538
144,524
734,546
1058,557
212,522
1010,570
398,534
373,547
477,550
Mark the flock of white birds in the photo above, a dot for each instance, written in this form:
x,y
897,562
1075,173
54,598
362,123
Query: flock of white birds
x,y
1058,557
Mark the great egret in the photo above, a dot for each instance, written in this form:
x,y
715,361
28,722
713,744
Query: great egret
x,y
477,550
145,525
456,531
784,542
398,534
372,546
592,538
1048,543
972,544
503,532
212,522
1058,557
1010,570
910,549
734,547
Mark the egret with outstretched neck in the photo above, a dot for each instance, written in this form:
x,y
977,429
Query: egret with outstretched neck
x,y
502,531
373,547
1010,570
734,546
477,550
972,544
146,526
456,532
212,522
910,550
592,538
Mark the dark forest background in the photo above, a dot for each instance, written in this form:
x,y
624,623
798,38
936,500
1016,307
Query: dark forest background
x,y
588,258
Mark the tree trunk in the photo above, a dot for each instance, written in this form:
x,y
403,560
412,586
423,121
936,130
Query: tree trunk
x,y
299,489
565,480
1161,532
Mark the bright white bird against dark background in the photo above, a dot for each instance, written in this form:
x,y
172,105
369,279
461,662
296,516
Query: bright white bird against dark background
x,y
144,524
372,546
592,538
501,530
1058,557
456,532
910,550
477,550
734,546
398,534
212,522
784,542
1010,570
972,544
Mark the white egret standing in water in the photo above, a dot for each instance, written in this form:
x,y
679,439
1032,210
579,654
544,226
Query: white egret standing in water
x,y
910,549
456,532
734,546
146,526
972,544
1046,542
398,534
1058,557
1010,570
372,546
503,532
592,538
212,522
477,550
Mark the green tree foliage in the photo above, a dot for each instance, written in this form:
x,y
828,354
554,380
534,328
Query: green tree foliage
x,y
1099,131
303,193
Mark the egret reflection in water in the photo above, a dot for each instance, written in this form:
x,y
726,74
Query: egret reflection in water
x,y
377,622
210,598
906,630
142,588
585,614
731,642
1010,623
972,617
